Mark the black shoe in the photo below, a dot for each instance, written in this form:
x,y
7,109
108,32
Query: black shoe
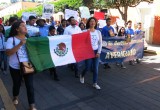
x,y
138,61
131,63
106,66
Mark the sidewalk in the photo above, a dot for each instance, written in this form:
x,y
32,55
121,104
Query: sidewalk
x,y
1,104
5,100
153,49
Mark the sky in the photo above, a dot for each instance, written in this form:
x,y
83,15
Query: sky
x,y
8,1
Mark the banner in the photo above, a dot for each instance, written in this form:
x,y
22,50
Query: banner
x,y
99,15
116,49
102,23
84,12
32,30
26,15
48,10
69,13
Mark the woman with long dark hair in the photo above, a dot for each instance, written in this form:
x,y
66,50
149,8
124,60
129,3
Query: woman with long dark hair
x,y
16,50
96,40
122,34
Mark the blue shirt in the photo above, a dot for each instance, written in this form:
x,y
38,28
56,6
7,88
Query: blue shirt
x,y
130,31
105,31
45,29
137,31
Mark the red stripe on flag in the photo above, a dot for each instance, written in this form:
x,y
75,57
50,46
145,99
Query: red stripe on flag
x,y
81,46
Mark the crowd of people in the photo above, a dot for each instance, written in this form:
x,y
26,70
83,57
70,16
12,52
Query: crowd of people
x,y
13,37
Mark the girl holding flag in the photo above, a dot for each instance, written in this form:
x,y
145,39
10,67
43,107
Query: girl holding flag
x,y
15,49
96,40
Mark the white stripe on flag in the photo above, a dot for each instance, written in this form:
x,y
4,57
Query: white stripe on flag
x,y
64,43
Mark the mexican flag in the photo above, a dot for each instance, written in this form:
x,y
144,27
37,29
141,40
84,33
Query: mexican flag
x,y
52,51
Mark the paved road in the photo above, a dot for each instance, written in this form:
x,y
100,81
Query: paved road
x,y
134,88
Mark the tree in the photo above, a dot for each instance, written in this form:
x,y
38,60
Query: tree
x,y
62,4
58,6
121,5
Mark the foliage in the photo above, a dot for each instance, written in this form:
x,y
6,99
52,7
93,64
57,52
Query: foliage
x,y
122,5
95,3
58,6
37,10
62,4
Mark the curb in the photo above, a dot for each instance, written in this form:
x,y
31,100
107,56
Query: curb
x,y
150,52
8,104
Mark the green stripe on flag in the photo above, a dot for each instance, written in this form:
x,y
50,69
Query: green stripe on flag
x,y
39,53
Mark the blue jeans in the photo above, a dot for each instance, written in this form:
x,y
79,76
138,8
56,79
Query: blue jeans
x,y
3,58
94,63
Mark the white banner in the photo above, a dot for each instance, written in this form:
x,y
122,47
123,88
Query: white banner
x,y
120,22
69,13
32,31
48,10
84,12
26,15
102,23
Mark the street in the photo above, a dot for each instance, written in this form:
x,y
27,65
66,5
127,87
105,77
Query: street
x,y
133,88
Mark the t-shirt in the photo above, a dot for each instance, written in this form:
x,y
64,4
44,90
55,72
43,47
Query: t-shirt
x,y
105,31
22,53
44,30
32,30
130,31
137,31
96,40
72,30
2,42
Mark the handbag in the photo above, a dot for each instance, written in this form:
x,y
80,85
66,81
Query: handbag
x,y
25,67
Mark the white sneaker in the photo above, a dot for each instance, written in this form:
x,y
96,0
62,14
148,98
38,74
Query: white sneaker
x,y
81,79
95,85
15,102
33,108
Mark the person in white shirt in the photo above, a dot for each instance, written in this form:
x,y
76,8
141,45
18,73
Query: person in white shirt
x,y
96,40
16,50
32,30
72,28
69,30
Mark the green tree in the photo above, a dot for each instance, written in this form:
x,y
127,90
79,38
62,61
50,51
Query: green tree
x,y
61,4
58,6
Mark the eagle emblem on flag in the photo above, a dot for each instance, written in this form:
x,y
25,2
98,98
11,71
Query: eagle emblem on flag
x,y
61,49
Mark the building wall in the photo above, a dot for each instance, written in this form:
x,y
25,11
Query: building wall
x,y
156,31
14,8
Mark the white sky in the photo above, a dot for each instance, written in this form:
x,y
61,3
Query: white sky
x,y
8,1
